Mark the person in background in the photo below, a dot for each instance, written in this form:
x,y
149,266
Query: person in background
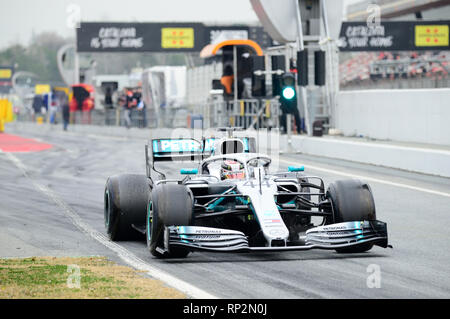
x,y
126,101
50,106
141,107
65,111
86,109
44,107
38,102
53,104
108,98
227,81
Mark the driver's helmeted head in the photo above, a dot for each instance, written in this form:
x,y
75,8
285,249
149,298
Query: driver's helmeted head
x,y
232,170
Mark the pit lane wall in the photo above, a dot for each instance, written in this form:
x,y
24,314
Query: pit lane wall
x,y
417,116
431,161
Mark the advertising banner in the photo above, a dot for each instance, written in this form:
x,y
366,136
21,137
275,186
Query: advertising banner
x,y
160,37
394,36
139,37
6,75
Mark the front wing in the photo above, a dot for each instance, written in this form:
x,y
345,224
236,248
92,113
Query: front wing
x,y
334,236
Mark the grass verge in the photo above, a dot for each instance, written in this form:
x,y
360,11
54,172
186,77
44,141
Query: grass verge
x,y
84,277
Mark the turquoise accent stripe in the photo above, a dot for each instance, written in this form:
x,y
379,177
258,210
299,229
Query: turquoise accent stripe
x,y
217,202
245,141
296,169
185,171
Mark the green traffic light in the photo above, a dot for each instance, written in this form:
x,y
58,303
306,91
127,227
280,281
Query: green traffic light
x,y
288,93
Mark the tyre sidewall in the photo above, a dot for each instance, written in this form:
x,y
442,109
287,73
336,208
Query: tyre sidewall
x,y
125,203
154,229
172,205
351,200
111,210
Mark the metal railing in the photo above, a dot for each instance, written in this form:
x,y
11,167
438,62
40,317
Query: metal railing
x,y
420,82
105,117
249,113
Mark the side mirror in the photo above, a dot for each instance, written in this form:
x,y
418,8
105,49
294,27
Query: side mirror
x,y
296,169
185,171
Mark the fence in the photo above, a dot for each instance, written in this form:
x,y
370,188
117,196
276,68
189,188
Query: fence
x,y
106,117
250,113
420,82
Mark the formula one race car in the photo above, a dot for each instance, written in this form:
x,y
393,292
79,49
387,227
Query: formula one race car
x,y
232,203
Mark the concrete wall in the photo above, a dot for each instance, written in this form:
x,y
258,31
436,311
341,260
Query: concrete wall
x,y
419,115
414,159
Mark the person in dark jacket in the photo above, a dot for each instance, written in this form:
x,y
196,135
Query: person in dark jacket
x,y
65,111
38,103
108,98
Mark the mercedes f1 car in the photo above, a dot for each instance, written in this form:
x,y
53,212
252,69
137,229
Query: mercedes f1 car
x,y
232,203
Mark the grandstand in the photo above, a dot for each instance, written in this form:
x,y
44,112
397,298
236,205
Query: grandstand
x,y
379,70
403,69
401,9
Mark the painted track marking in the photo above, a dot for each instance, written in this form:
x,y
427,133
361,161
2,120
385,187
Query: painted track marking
x,y
123,253
14,143
369,179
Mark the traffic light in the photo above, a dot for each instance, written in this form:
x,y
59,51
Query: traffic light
x,y
319,68
258,81
288,96
288,86
278,63
302,67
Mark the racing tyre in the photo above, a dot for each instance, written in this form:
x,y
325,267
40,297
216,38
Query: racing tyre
x,y
125,204
351,200
168,205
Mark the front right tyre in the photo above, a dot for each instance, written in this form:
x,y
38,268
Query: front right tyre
x,y
168,205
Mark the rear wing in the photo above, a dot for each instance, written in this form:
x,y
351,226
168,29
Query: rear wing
x,y
173,150
181,149
185,149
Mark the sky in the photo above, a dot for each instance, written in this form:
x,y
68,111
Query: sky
x,y
19,19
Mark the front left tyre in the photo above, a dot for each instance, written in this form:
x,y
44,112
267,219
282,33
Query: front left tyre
x,y
351,200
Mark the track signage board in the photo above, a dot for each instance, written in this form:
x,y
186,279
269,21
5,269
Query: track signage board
x,y
139,37
6,74
431,35
160,37
395,36
177,38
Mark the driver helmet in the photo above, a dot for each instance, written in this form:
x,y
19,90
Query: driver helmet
x,y
232,170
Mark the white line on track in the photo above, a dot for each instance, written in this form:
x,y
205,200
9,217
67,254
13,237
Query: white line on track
x,y
368,179
122,252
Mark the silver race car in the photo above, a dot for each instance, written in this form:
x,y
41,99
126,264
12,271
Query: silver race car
x,y
231,202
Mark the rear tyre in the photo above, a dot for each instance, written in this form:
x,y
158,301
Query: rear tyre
x,y
351,200
125,203
168,205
